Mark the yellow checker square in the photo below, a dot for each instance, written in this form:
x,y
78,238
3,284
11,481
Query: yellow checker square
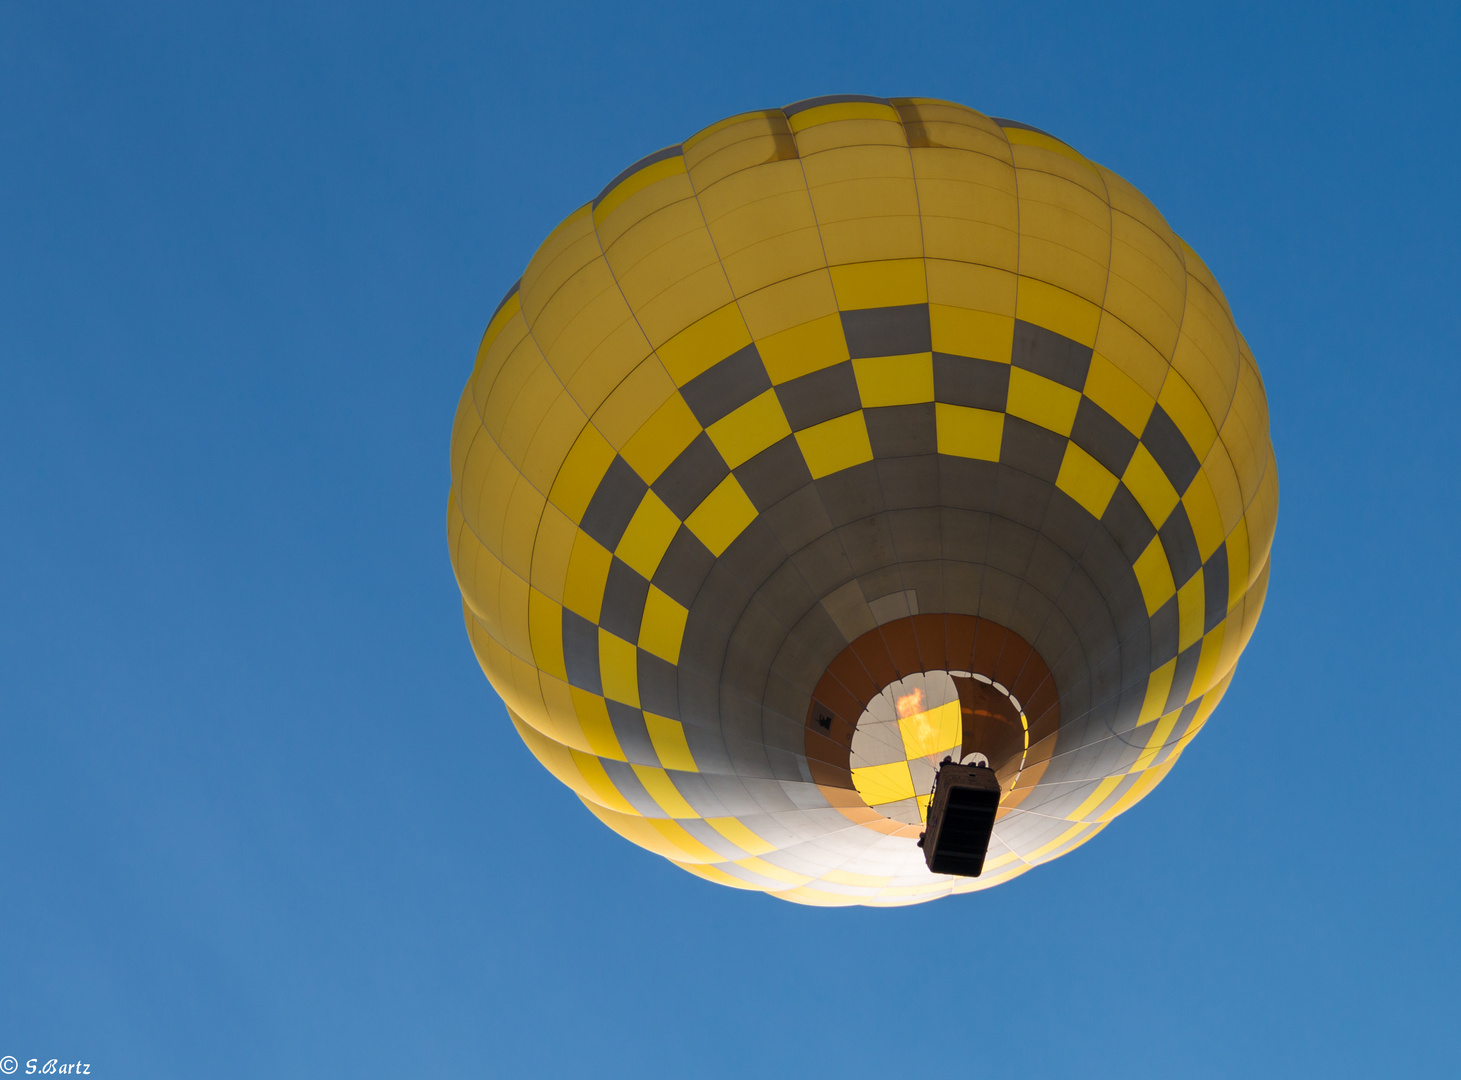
x,y
879,784
1190,611
1207,662
663,791
835,445
579,477
1145,479
1154,575
722,517
964,332
1159,685
670,744
600,789
648,535
659,441
663,626
1189,414
970,433
593,717
704,344
804,349
734,830
1057,309
1086,480
747,431
933,731
894,380
619,668
1042,401
1202,512
1119,394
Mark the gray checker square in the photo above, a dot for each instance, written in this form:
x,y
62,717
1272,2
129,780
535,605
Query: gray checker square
x,y
887,331
1101,435
613,504
1169,446
902,430
624,596
773,474
683,568
691,477
976,384
820,396
726,386
1050,354
1032,449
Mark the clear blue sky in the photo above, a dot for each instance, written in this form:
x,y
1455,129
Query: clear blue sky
x,y
260,813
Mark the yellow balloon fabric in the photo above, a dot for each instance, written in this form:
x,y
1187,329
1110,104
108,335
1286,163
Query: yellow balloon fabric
x,y
835,439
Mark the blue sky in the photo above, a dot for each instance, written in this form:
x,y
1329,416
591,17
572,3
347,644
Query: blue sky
x,y
261,815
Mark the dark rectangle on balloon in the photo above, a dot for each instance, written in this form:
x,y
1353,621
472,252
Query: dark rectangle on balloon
x,y
1169,446
1102,436
627,783
702,651
613,504
683,567
851,494
1049,566
1215,588
1166,631
799,519
887,331
1180,544
820,396
754,555
1127,523
869,547
1052,355
1009,547
1068,523
624,594
1182,678
1083,604
824,563
774,473
632,733
785,595
967,483
726,386
659,686
915,534
909,481
581,652
692,476
1032,449
902,430
1020,495
721,600
973,383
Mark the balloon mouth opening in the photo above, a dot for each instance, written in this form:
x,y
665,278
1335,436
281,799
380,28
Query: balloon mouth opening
x,y
916,722
915,691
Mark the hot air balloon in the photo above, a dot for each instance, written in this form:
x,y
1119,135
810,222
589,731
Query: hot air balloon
x,y
842,445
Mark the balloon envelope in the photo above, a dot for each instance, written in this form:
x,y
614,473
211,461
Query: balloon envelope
x,y
840,439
